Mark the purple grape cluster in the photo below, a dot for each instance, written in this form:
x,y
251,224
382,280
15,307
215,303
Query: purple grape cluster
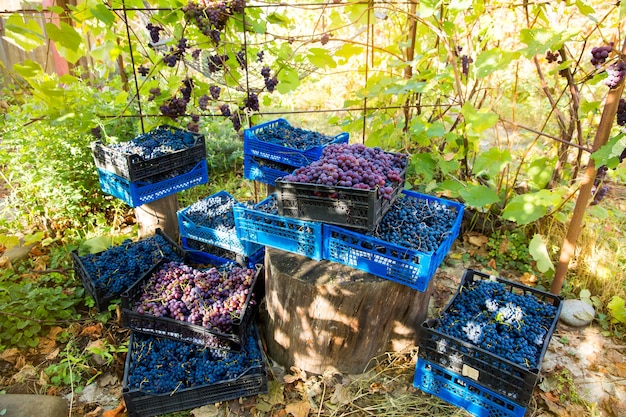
x,y
465,63
214,90
160,365
177,106
203,102
211,17
225,110
252,102
155,32
599,54
615,72
117,268
415,223
160,141
324,38
489,315
620,116
270,81
216,62
212,298
354,166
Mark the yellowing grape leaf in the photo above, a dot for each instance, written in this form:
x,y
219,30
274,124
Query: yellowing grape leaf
x,y
298,409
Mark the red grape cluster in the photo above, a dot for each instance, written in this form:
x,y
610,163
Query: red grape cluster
x,y
355,166
211,298
211,17
615,73
599,54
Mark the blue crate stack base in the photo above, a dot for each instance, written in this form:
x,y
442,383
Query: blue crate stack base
x,y
469,375
138,179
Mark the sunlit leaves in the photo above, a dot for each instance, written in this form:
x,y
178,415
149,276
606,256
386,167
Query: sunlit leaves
x,y
538,250
493,60
66,39
27,34
478,120
492,162
527,208
539,40
478,195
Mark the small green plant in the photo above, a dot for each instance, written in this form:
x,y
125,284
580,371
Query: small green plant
x,y
566,388
73,369
32,302
509,250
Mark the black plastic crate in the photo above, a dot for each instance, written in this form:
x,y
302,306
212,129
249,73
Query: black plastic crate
x,y
139,403
102,295
342,206
496,373
189,332
133,167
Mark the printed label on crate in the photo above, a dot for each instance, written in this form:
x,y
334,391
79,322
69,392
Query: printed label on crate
x,y
470,372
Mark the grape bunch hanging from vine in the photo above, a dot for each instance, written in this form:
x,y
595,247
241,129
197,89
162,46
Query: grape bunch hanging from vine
x,y
208,43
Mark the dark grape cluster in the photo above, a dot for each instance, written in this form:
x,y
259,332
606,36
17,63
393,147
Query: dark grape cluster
x,y
216,62
252,102
214,90
354,166
270,81
160,366
552,56
621,112
225,110
213,298
158,142
465,63
211,17
599,54
155,32
489,315
214,212
324,38
416,223
615,74
292,137
117,268
203,102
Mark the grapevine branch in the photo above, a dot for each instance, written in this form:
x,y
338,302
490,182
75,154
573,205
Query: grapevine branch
x,y
602,136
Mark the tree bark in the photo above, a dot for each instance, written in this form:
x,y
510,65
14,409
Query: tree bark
x,y
158,214
323,316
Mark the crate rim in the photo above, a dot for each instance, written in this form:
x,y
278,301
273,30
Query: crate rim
x,y
519,368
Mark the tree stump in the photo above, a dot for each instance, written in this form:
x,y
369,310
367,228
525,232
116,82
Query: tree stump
x,y
323,316
159,214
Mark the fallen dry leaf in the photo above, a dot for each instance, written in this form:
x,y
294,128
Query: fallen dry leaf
x,y
296,374
93,332
119,411
10,355
26,373
477,239
5,263
298,409
41,262
94,413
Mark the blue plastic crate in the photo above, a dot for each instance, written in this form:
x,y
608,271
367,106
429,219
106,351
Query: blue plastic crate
x,y
288,234
219,256
406,266
494,372
136,193
463,392
252,381
226,238
263,170
134,167
254,146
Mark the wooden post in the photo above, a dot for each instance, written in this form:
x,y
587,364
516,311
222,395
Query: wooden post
x,y
158,214
320,315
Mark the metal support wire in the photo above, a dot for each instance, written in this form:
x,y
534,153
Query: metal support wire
x,y
132,61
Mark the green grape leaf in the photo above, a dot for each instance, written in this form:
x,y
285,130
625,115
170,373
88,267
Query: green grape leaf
x,y
66,39
96,244
493,60
321,58
617,309
478,120
492,161
28,68
526,208
478,195
540,40
288,80
540,172
277,19
28,35
609,153
423,164
538,250
103,14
